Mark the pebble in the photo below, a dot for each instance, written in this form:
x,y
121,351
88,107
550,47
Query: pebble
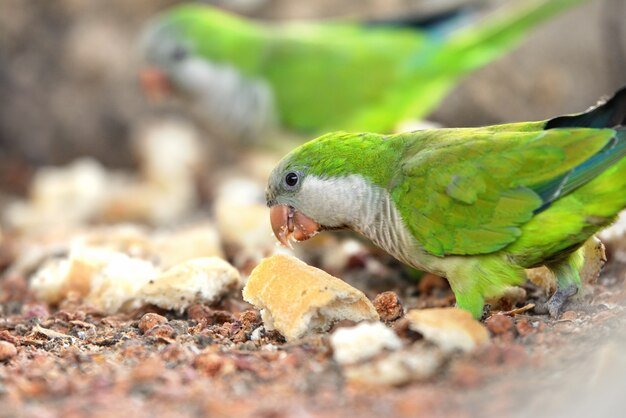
x,y
568,316
524,327
161,331
7,351
388,306
151,320
499,324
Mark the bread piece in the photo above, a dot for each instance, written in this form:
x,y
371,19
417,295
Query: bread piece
x,y
413,363
115,287
595,258
242,221
107,279
196,241
449,328
203,280
297,299
364,341
614,237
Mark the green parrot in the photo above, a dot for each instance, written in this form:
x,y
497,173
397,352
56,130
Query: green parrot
x,y
244,76
474,205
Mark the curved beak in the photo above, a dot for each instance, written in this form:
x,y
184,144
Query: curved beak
x,y
155,83
289,223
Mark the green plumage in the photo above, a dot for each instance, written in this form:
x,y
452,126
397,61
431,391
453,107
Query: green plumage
x,y
327,76
485,203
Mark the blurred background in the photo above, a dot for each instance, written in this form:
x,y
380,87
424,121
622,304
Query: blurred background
x,y
68,72
81,144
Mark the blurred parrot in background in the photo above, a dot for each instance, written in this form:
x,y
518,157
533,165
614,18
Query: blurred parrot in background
x,y
475,205
244,76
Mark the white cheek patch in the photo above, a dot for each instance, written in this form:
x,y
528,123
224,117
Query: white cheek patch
x,y
336,201
227,98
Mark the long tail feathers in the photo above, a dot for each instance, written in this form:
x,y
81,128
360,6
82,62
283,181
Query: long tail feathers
x,y
480,44
440,22
609,114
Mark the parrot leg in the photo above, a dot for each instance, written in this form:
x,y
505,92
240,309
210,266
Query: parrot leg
x,y
489,277
471,301
567,273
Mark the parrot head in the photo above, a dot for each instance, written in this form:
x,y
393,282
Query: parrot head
x,y
187,54
328,183
291,191
170,65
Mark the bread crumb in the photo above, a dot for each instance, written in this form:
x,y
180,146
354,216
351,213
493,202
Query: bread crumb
x,y
203,280
449,328
399,367
363,341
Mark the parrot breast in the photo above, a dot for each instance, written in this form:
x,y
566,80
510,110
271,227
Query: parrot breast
x,y
367,209
234,104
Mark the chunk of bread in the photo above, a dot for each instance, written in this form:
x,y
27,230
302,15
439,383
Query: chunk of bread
x,y
202,280
362,342
449,328
107,279
296,299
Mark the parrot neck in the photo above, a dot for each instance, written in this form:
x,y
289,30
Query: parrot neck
x,y
368,209
381,222
237,105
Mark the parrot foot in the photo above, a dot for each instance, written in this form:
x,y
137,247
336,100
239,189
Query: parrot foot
x,y
486,312
555,304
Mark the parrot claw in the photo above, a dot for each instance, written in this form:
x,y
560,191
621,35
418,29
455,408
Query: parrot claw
x,y
486,312
555,304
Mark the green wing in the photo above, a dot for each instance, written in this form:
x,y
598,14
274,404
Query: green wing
x,y
470,191
427,75
343,76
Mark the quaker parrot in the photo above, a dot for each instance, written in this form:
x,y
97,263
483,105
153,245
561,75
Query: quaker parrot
x,y
474,205
313,77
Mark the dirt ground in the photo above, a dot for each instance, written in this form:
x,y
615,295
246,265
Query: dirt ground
x,y
72,360
68,81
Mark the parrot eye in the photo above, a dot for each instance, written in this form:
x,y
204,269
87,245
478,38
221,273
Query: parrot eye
x,y
179,53
291,179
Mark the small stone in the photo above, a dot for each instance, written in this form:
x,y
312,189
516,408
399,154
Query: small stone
x,y
250,320
499,324
35,310
151,320
524,327
6,336
200,313
604,315
163,331
212,364
388,306
181,327
568,316
430,282
148,370
466,374
515,355
7,351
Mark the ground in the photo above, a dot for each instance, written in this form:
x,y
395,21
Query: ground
x,y
71,360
